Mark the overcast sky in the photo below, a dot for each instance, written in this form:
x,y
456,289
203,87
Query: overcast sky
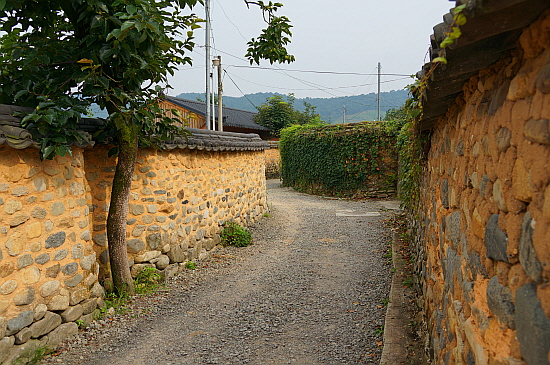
x,y
345,36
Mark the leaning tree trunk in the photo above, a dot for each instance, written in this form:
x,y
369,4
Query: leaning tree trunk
x,y
118,209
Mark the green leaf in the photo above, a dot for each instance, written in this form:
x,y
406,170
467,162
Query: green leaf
x,y
460,19
127,24
48,153
45,104
456,33
459,9
131,9
105,52
115,33
439,59
59,139
2,4
19,94
447,42
60,150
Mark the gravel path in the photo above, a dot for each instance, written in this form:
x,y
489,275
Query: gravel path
x,y
309,291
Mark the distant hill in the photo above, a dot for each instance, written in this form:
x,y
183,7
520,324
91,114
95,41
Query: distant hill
x,y
358,107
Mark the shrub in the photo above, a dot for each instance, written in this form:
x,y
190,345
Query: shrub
x,y
235,235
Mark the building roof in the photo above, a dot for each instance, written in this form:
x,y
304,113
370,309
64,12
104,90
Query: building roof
x,y
231,117
492,29
15,136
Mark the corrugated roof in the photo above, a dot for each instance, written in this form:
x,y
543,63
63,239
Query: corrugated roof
x,y
492,29
231,117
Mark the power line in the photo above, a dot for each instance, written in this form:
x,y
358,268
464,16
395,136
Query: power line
x,y
324,88
314,85
320,72
228,18
304,71
237,86
368,77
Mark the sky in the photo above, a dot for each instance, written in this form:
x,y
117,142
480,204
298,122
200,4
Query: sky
x,y
337,45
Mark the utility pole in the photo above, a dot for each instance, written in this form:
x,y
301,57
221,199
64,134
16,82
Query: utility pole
x,y
220,92
213,114
379,71
208,75
344,115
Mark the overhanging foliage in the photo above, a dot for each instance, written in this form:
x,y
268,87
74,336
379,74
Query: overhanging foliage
x,y
60,56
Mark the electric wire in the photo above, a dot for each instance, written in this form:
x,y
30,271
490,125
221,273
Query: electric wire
x,y
237,86
358,87
328,88
314,86
321,72
230,21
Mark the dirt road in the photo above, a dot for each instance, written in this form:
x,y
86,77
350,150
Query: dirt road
x,y
309,291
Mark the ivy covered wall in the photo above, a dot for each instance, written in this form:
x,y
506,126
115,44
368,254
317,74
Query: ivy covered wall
x,y
352,160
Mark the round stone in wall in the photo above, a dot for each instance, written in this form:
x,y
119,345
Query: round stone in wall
x,y
48,225
60,254
69,269
24,261
40,184
100,239
8,287
20,191
42,259
25,297
30,275
12,206
77,251
49,287
57,208
74,281
56,239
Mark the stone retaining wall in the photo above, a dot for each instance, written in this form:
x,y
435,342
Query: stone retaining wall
x,y
53,252
485,217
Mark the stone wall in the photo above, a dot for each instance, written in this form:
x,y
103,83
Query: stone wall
x,y
273,161
485,215
53,252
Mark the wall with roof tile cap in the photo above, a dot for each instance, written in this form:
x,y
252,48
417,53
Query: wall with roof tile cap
x,y
53,252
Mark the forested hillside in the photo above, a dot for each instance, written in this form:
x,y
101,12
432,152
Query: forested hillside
x,y
358,108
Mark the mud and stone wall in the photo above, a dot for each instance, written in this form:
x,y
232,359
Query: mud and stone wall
x,y
485,216
53,247
273,161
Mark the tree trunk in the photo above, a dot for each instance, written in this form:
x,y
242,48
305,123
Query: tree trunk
x,y
118,209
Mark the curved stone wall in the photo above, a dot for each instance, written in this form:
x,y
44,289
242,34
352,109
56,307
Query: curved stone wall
x,y
53,253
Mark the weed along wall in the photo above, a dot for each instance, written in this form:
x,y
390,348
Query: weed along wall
x,y
357,160
53,247
485,214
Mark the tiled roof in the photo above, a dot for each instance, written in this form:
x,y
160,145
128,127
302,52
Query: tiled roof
x,y
12,134
492,29
231,117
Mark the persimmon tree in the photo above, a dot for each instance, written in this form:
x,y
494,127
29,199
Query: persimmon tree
x,y
60,56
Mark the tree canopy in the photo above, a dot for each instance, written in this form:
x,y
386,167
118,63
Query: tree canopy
x,y
278,113
60,56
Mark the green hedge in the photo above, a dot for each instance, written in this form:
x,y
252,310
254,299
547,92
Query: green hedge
x,y
340,159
